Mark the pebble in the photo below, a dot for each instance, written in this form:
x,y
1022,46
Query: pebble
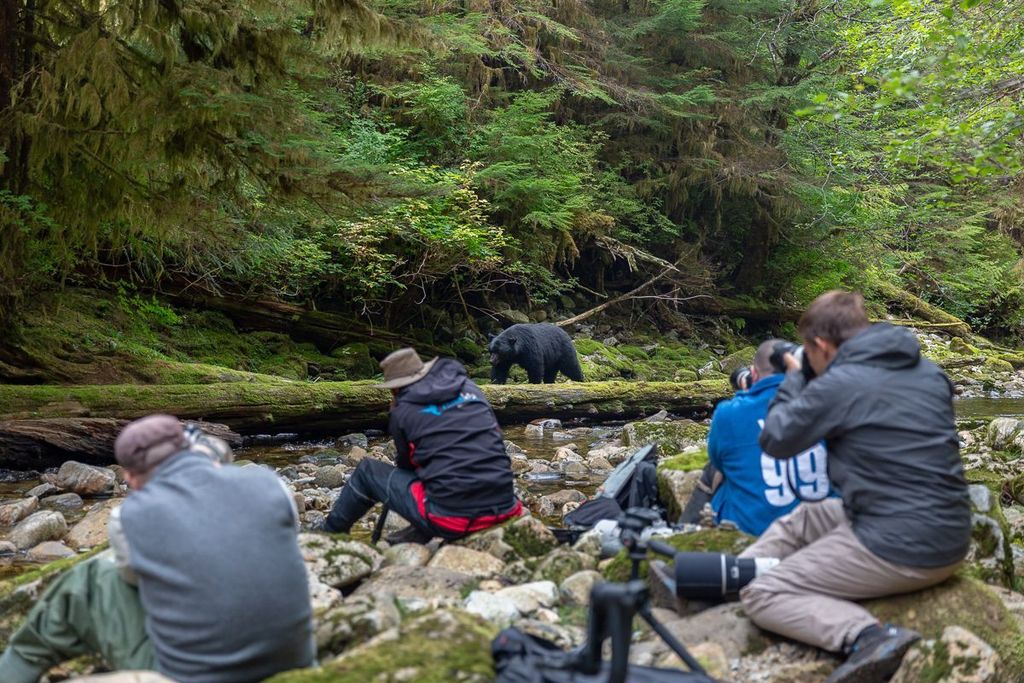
x,y
83,479
14,512
44,525
49,551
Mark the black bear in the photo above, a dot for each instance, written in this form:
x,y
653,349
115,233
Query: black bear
x,y
541,348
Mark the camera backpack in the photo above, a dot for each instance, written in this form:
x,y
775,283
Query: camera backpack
x,y
523,658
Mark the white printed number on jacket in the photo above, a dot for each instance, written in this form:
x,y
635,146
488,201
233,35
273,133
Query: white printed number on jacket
x,y
808,471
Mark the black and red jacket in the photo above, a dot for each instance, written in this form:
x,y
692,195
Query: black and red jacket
x,y
445,431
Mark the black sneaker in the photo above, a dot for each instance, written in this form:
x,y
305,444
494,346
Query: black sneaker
x,y
875,655
410,534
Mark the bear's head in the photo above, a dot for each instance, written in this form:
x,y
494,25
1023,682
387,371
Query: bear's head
x,y
503,347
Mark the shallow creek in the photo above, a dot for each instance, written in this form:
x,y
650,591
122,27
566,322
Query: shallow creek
x,y
278,452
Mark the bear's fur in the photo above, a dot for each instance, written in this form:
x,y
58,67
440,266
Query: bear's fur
x,y
542,349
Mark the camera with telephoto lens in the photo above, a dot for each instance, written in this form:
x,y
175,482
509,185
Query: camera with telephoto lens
x,y
741,379
777,359
713,577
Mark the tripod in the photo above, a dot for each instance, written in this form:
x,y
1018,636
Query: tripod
x,y
613,606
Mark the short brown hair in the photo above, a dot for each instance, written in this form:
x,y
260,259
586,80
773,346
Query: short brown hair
x,y
834,316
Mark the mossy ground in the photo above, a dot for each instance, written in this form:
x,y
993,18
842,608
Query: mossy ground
x,y
685,462
96,337
438,648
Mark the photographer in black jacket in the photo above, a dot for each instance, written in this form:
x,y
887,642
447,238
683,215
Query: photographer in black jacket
x,y
904,521
453,476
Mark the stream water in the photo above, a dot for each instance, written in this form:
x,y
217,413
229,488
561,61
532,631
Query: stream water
x,y
971,413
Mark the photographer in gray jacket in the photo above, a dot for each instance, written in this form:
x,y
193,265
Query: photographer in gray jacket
x,y
211,586
904,521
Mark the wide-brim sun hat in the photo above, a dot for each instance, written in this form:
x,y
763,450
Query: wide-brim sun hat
x,y
402,368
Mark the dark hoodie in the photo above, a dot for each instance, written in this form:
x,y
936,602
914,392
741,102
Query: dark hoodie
x,y
886,415
445,430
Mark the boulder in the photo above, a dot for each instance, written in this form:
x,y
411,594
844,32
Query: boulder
x,y
65,502
739,359
671,437
406,555
49,551
560,564
44,489
575,589
330,476
958,656
467,561
12,513
85,480
91,531
675,488
350,440
443,646
528,537
964,602
550,504
492,542
417,588
355,620
494,608
355,455
1005,434
336,561
725,625
529,597
45,525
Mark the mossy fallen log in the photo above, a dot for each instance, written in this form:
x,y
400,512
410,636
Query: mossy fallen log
x,y
41,443
326,407
919,308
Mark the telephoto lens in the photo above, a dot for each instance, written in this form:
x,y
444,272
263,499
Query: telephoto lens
x,y
714,577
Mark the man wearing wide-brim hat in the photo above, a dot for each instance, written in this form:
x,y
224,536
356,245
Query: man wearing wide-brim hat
x,y
452,476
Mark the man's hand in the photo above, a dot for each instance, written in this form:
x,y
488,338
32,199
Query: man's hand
x,y
791,362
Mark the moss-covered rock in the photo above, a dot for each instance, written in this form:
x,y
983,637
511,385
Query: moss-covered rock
x,y
705,540
560,564
958,346
964,602
467,350
601,362
440,647
529,537
685,462
671,437
355,361
1005,433
739,359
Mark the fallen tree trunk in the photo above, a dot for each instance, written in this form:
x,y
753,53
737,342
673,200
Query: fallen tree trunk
x,y
325,329
919,308
41,443
332,407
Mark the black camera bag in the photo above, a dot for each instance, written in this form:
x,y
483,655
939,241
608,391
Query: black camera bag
x,y
522,658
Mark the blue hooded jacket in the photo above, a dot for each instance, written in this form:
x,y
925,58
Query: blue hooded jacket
x,y
758,488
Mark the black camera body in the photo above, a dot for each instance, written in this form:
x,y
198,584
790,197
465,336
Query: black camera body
x,y
777,359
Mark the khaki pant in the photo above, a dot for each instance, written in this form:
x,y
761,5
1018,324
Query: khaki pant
x,y
807,596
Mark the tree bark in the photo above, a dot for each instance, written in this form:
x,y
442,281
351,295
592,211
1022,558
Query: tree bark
x,y
48,442
333,407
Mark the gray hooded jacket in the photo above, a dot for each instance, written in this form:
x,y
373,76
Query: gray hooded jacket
x,y
887,417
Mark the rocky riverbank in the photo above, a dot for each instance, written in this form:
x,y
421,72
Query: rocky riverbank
x,y
445,602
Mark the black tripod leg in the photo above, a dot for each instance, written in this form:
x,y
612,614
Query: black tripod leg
x,y
378,529
670,640
621,626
